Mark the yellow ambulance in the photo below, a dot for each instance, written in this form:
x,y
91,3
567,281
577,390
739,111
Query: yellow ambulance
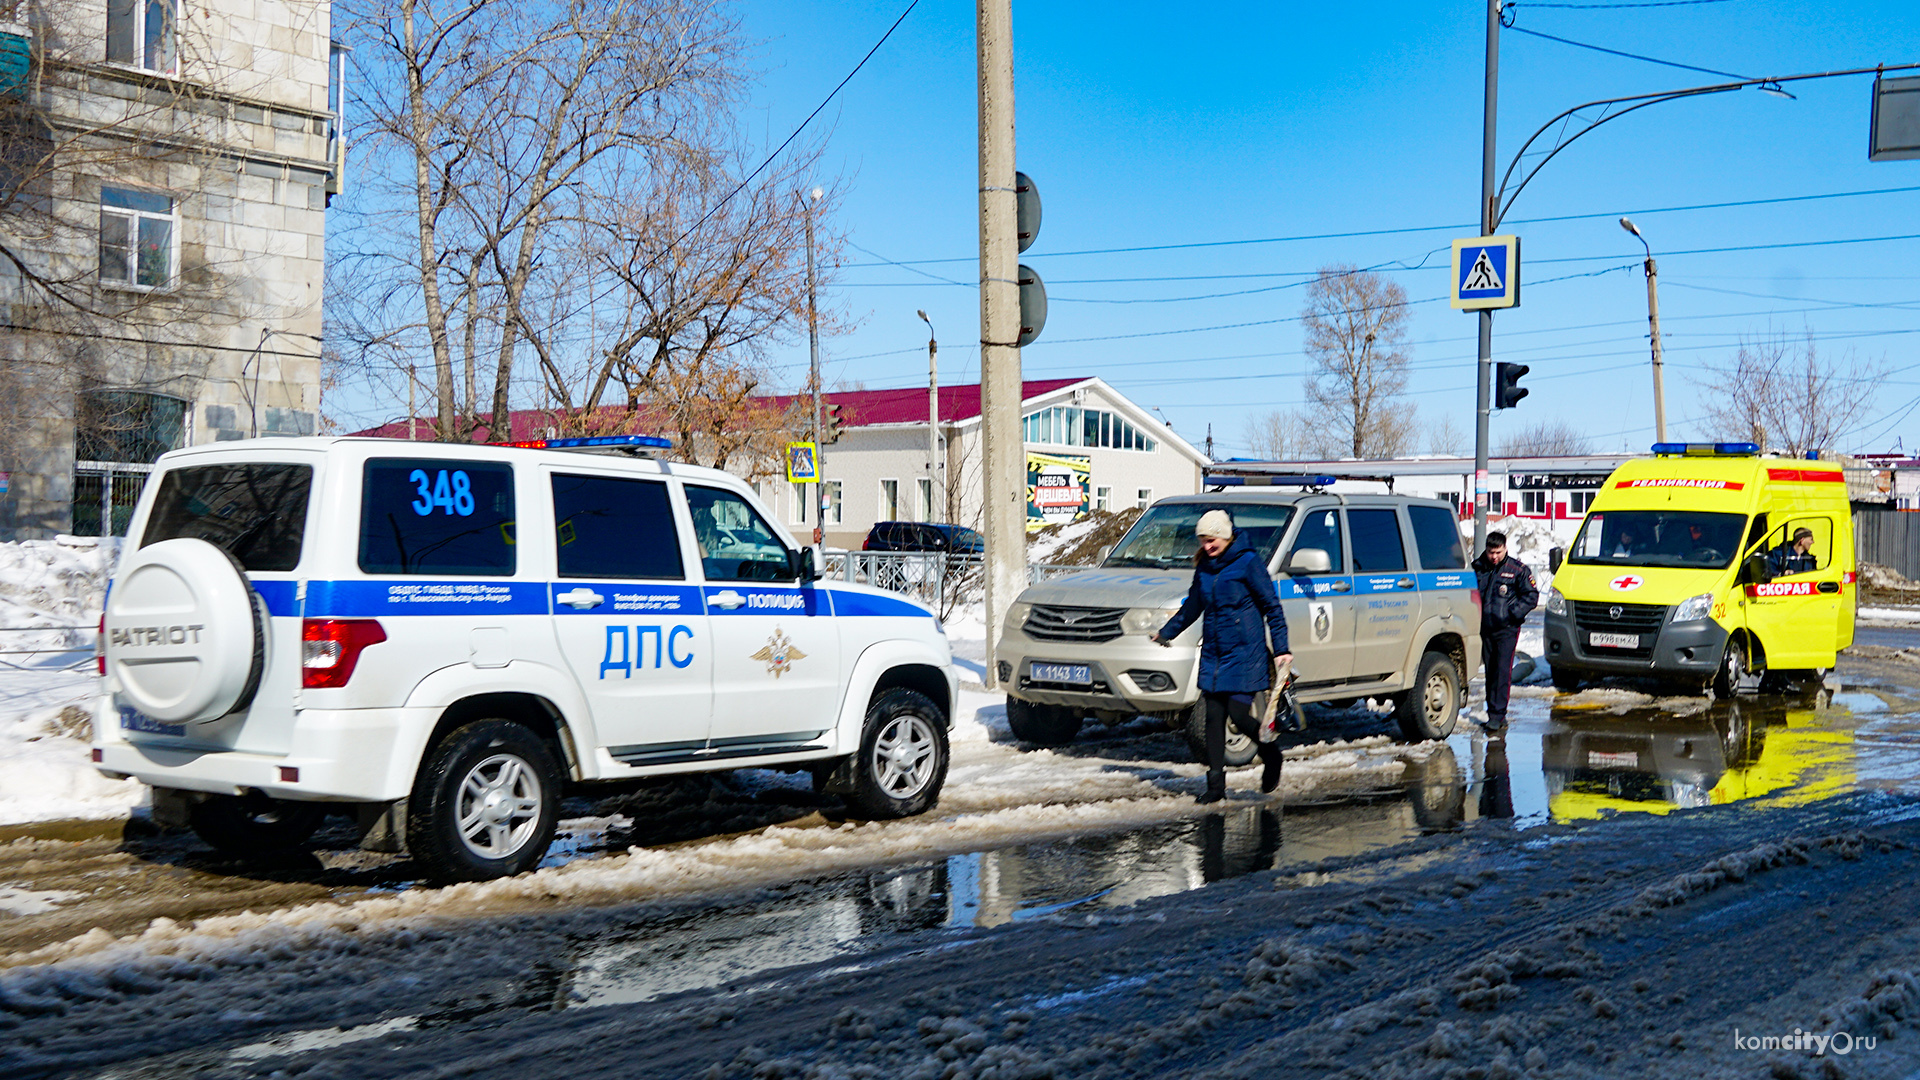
x,y
1708,563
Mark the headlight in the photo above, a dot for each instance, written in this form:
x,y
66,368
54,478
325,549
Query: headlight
x,y
1694,608
1556,603
1017,614
1145,620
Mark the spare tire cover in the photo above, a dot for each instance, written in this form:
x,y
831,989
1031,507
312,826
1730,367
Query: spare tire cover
x,y
180,632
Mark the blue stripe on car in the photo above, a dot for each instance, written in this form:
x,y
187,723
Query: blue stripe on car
x,y
372,599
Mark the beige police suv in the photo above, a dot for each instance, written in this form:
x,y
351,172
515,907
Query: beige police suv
x,y
1379,599
442,639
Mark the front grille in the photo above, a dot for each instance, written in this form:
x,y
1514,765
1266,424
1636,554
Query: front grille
x,y
1047,623
1597,616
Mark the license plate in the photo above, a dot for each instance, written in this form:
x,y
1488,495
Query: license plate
x,y
1614,641
135,720
1077,674
1601,759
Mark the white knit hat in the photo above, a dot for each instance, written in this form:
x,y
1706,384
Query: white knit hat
x,y
1215,523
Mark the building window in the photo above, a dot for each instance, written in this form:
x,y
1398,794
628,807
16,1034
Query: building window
x,y
1144,497
1064,425
117,435
926,499
140,33
1580,501
1103,498
137,234
797,513
1494,505
889,500
1533,502
832,504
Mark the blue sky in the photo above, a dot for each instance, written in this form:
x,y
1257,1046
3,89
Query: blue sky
x,y
1154,124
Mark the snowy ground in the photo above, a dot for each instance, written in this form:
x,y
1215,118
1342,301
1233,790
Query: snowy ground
x,y
49,606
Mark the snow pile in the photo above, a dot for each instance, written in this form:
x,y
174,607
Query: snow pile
x,y
1054,539
1901,615
50,597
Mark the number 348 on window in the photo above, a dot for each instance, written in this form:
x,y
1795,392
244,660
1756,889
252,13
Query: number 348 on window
x,y
449,491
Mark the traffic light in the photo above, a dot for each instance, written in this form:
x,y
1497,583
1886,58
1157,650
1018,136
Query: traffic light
x,y
830,422
1507,390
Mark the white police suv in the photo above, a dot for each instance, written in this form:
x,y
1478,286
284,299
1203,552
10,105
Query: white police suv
x,y
443,638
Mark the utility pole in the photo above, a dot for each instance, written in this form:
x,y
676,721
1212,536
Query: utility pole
x,y
936,489
1653,328
1489,220
813,382
1004,483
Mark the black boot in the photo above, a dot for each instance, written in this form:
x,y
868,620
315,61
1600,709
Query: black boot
x,y
1270,774
1216,787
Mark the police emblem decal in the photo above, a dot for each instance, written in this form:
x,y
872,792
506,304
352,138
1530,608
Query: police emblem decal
x,y
779,653
1321,621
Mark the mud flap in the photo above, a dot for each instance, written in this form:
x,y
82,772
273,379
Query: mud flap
x,y
383,827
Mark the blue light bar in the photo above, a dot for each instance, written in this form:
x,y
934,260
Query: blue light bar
x,y
1269,481
653,441
1724,449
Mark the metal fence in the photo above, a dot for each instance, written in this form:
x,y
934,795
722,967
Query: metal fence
x,y
934,578
1890,538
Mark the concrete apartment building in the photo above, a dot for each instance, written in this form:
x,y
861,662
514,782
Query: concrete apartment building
x,y
185,154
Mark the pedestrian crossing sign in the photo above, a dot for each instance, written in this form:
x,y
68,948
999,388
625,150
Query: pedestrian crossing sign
x,y
1486,273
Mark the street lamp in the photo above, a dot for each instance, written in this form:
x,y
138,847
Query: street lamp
x,y
813,380
936,490
1653,324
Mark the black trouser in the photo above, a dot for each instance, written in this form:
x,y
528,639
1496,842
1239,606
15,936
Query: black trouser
x,y
1496,647
1240,708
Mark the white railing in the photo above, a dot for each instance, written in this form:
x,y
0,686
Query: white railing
x,y
935,578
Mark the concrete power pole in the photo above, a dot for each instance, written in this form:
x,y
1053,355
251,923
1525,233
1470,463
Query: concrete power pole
x,y
1003,473
936,481
1489,220
813,382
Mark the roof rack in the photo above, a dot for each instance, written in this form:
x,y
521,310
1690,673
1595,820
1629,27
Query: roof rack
x,y
633,445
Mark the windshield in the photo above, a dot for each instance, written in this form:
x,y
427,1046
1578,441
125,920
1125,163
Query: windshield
x,y
1685,538
1163,537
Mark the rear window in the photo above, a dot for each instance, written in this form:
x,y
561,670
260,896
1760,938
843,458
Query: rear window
x,y
437,516
1437,537
257,513
606,527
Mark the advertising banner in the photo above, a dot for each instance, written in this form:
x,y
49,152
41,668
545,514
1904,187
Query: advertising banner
x,y
1058,489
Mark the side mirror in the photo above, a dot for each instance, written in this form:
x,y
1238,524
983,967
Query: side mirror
x,y
1105,550
804,564
1309,561
1555,556
1755,570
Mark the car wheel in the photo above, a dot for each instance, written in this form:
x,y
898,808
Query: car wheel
x,y
1432,707
1042,725
1567,682
254,825
1733,669
1240,749
484,804
903,756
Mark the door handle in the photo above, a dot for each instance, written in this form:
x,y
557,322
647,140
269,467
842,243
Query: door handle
x,y
1404,583
581,598
1828,586
727,599
1340,586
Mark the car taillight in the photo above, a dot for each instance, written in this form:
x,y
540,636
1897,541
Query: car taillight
x,y
100,645
330,648
1473,597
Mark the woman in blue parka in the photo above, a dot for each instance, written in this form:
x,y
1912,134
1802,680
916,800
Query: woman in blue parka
x,y
1233,594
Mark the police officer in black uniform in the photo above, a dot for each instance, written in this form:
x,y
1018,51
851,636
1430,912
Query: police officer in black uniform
x,y
1507,594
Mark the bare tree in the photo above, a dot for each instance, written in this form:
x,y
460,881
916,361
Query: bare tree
x,y
1280,435
1445,437
505,121
1546,438
1782,394
1356,327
